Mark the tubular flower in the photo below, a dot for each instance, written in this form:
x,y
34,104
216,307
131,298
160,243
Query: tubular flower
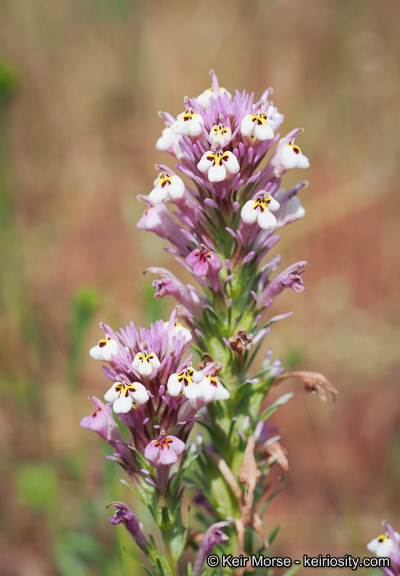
x,y
385,544
186,383
188,124
212,389
126,395
167,187
290,157
102,422
220,134
257,126
202,260
218,164
165,450
105,349
204,99
180,330
145,363
260,209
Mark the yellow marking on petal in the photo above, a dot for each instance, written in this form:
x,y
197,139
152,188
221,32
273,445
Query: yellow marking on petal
x,y
261,118
262,203
145,357
187,115
124,389
217,158
382,538
103,342
296,149
214,381
219,130
186,376
164,179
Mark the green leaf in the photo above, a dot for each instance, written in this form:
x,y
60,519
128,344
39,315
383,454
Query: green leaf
x,y
271,409
133,555
273,534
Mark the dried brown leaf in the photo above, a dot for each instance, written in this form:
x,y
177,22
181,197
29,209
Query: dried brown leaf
x,y
314,383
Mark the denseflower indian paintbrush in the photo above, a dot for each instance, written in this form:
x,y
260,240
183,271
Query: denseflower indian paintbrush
x,y
220,208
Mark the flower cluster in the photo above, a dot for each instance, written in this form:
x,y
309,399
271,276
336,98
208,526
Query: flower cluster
x,y
227,207
224,223
154,392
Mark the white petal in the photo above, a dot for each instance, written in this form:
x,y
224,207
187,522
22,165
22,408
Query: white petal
x,y
263,132
247,126
292,211
136,361
303,161
195,125
232,165
141,396
174,387
123,404
205,98
145,368
381,549
159,195
96,352
221,393
154,361
111,395
249,213
177,188
192,391
197,376
217,173
185,332
110,349
288,158
274,204
221,138
207,389
266,220
180,126
167,140
204,163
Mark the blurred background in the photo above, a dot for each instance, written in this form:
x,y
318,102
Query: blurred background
x,y
81,82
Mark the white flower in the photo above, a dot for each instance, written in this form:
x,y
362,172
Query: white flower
x,y
382,546
105,348
126,396
212,389
260,209
274,118
291,210
290,157
145,363
204,99
220,134
186,382
217,164
180,331
258,126
167,187
188,124
169,141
